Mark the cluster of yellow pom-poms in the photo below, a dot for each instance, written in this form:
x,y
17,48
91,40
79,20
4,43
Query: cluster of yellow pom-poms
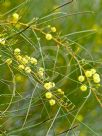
x,y
89,74
15,17
25,63
49,95
49,35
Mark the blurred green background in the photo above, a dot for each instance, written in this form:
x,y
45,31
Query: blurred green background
x,y
88,39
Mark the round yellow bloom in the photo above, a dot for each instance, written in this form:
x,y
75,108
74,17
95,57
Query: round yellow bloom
x,y
24,61
48,36
15,17
17,51
21,67
48,95
52,102
83,88
28,70
19,58
27,57
2,41
41,69
96,75
96,78
33,61
81,78
49,85
93,71
41,74
53,84
88,73
53,29
60,91
9,61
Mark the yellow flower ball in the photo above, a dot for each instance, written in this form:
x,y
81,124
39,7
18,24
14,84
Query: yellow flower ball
x,y
96,75
88,73
41,69
96,78
48,95
2,41
27,57
93,71
27,70
53,29
21,67
41,74
53,84
24,61
60,91
52,102
48,36
17,51
9,61
15,17
33,61
81,78
19,58
83,88
49,85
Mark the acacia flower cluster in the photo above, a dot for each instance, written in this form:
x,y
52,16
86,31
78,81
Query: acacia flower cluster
x,y
49,95
2,41
24,61
49,85
91,75
8,61
49,36
15,17
41,72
